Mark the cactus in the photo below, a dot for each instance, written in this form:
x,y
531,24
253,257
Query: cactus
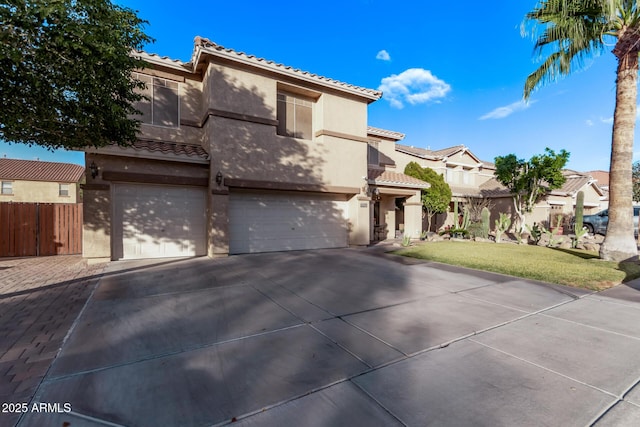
x,y
502,225
466,220
579,211
536,232
578,225
485,222
455,214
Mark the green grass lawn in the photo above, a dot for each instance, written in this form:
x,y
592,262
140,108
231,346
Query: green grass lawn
x,y
564,266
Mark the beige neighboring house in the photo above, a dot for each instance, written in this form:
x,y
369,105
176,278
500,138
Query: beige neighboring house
x,y
36,181
239,154
470,177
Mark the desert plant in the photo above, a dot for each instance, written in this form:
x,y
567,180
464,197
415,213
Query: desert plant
x,y
536,233
466,220
502,225
423,235
551,236
578,238
476,206
559,219
486,215
455,214
475,230
578,224
406,240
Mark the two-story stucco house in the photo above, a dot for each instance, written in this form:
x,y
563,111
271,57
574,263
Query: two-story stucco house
x,y
34,181
238,154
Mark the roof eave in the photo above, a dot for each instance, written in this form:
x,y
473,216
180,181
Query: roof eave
x,y
267,65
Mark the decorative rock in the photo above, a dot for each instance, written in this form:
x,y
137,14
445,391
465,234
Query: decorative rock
x,y
434,237
565,244
592,247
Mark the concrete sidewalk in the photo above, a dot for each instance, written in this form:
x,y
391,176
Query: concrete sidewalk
x,y
339,337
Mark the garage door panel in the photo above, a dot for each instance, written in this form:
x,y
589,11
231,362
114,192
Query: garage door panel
x,y
156,222
268,222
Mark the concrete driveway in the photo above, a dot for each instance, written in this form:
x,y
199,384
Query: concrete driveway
x,y
341,338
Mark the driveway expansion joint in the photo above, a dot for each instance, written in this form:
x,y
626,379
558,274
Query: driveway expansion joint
x,y
608,331
506,353
169,354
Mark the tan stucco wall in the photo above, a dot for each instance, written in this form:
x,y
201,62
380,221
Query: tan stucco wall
x,y
240,91
40,192
413,217
359,207
246,145
96,226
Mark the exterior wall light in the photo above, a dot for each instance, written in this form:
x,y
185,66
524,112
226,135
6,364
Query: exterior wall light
x,y
94,169
219,178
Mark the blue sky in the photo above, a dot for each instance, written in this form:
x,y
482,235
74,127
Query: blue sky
x,y
452,72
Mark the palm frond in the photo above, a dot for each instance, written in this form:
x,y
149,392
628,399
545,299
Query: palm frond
x,y
568,32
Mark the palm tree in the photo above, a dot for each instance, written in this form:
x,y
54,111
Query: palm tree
x,y
574,30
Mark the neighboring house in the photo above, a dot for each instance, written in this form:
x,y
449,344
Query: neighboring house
x,y
36,181
238,154
602,178
467,175
470,177
393,192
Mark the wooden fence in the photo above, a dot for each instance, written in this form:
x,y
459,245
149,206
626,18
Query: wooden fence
x,y
40,229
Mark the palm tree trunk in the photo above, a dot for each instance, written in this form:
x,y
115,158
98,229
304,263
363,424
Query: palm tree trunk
x,y
619,243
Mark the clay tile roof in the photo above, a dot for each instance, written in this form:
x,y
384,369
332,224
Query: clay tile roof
x,y
35,170
572,185
171,148
490,165
395,179
154,58
385,133
601,176
465,191
416,151
436,154
493,188
445,152
202,44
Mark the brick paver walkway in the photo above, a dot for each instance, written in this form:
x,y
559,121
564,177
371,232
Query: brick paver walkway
x,y
40,298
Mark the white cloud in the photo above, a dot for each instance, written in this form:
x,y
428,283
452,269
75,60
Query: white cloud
x,y
589,122
415,86
383,55
507,110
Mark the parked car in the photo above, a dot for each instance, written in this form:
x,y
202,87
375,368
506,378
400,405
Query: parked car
x,y
597,223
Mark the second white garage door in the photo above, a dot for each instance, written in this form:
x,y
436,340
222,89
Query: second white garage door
x,y
261,222
154,221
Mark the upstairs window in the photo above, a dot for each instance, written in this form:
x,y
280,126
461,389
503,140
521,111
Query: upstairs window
x,y
63,190
162,106
7,187
451,176
466,177
295,114
373,155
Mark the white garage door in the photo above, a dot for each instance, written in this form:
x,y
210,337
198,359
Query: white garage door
x,y
158,221
282,222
